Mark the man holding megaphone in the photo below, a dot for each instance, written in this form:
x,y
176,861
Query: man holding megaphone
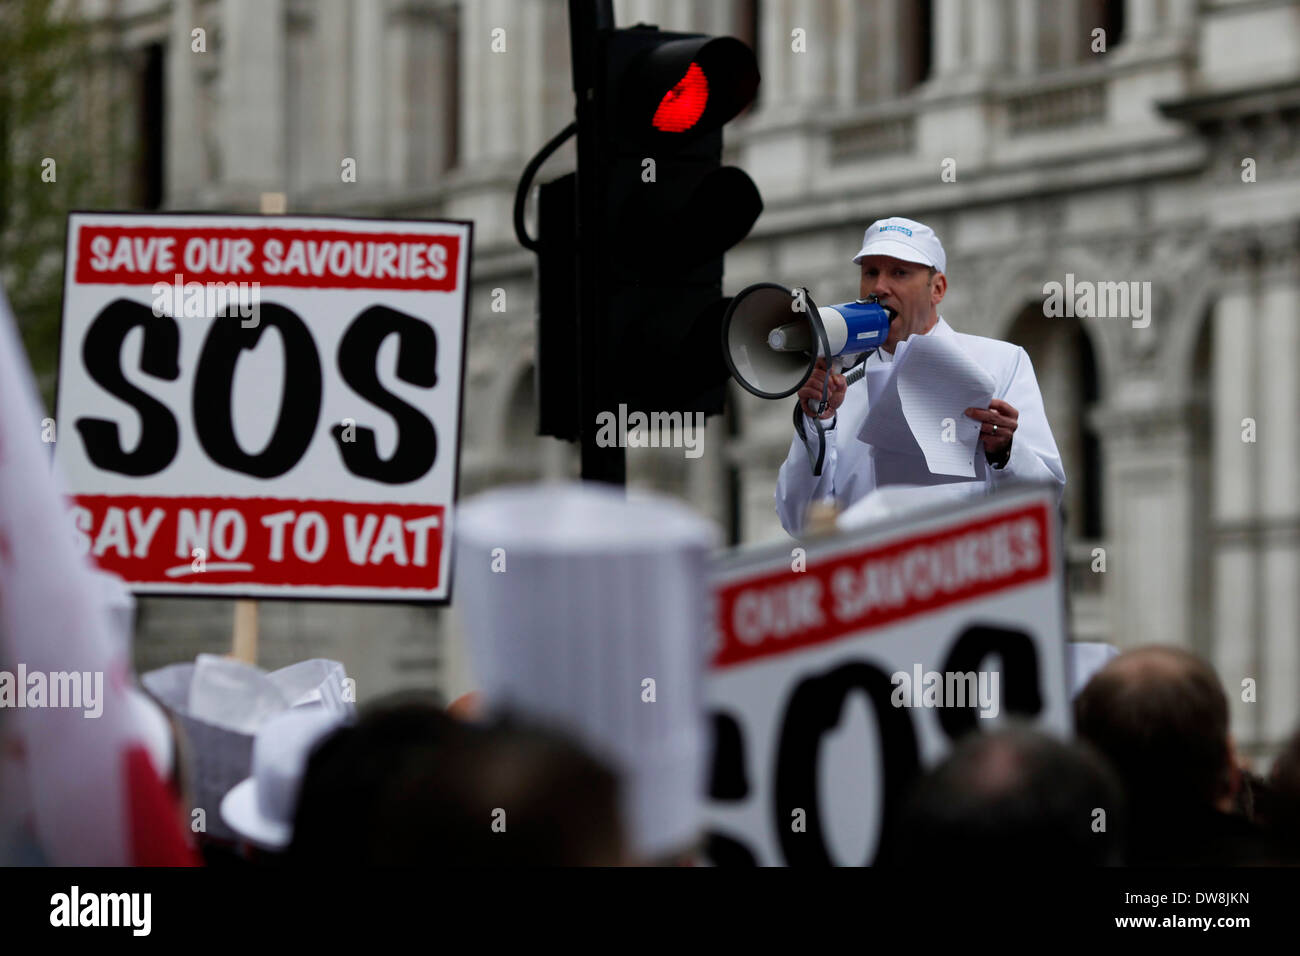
x,y
902,283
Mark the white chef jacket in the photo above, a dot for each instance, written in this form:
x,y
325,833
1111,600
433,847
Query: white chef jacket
x,y
852,468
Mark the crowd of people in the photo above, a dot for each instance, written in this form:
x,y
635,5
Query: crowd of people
x,y
586,614
1151,779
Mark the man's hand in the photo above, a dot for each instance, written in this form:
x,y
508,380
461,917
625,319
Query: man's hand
x,y
997,427
810,395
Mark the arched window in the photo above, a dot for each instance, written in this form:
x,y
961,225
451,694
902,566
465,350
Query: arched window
x,y
1067,377
1107,15
895,44
915,43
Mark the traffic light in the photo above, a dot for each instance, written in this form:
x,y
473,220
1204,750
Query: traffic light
x,y
662,211
630,249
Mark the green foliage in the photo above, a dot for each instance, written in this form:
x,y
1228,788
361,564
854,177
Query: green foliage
x,y
48,104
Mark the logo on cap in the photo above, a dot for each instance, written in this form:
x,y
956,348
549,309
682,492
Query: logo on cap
x,y
902,229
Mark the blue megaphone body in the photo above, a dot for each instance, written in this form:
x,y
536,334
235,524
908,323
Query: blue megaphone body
x,y
772,337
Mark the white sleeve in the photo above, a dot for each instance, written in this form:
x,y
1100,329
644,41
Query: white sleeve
x,y
1034,456
796,485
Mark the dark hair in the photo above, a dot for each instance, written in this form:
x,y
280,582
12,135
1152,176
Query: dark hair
x,y
1015,796
1285,775
1160,716
407,785
1278,799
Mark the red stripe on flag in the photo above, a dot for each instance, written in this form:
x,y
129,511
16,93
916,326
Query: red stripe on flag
x,y
154,820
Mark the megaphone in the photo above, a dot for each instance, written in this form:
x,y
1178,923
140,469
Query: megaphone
x,y
772,337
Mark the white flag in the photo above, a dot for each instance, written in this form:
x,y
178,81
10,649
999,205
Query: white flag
x,y
95,797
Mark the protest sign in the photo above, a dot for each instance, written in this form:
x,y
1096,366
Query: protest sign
x,y
846,665
264,406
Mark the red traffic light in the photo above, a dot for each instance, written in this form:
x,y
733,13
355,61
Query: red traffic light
x,y
683,105
676,90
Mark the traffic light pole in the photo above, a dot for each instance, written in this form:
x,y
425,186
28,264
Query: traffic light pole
x,y
587,19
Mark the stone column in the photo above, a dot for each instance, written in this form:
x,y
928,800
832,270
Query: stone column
x,y
418,80
533,70
1278,343
185,166
1140,21
885,29
1069,37
474,51
252,96
812,72
499,86
301,115
948,24
371,110
1180,16
628,13
1238,585
1026,22
680,15
1148,455
333,75
851,59
987,30
775,56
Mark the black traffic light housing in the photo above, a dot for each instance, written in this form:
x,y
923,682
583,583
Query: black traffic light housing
x,y
630,250
668,212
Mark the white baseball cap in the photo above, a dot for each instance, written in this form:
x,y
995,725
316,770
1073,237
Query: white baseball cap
x,y
904,239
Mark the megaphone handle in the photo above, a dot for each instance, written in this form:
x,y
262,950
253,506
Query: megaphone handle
x,y
833,369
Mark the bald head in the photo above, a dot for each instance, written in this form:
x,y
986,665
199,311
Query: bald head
x,y
1159,663
1017,796
1160,716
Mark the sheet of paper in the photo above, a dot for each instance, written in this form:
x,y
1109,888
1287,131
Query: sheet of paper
x,y
933,381
889,501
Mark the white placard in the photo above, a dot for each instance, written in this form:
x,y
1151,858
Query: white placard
x,y
264,406
816,739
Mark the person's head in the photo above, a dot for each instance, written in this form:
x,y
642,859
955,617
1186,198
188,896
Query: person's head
x,y
902,263
1285,774
1279,803
408,785
1014,796
1159,715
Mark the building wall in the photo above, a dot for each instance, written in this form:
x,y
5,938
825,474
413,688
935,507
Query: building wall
x,y
1122,165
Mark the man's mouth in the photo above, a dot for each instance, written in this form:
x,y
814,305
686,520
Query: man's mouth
x,y
893,313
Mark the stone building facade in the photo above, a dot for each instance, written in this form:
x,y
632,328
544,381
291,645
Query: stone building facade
x,y
1163,149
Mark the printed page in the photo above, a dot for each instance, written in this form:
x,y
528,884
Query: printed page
x,y
933,380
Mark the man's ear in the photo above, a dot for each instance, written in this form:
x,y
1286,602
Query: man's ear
x,y
938,288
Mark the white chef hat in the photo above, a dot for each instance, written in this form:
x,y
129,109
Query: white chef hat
x,y
261,808
590,594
